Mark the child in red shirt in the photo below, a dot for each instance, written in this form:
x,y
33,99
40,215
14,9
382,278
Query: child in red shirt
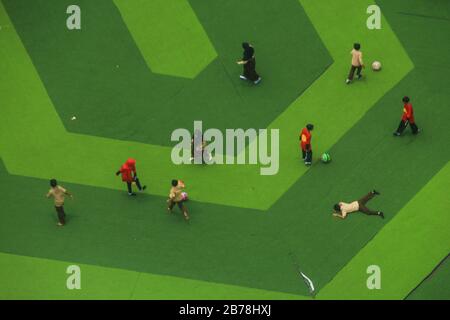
x,y
407,118
305,144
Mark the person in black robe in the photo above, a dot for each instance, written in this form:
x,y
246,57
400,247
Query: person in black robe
x,y
249,63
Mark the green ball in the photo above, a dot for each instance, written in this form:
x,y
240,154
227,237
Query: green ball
x,y
326,157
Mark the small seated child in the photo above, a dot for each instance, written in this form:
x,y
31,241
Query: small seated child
x,y
198,149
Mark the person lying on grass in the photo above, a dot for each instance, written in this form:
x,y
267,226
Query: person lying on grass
x,y
342,209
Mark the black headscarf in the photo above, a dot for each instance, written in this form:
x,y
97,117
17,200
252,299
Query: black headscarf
x,y
248,51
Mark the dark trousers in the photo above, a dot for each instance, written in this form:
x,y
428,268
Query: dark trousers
x,y
362,204
403,124
180,205
352,72
250,70
307,156
61,214
198,156
129,184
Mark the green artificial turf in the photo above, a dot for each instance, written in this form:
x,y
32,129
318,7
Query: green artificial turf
x,y
435,286
226,244
103,224
168,35
129,102
34,278
245,185
411,244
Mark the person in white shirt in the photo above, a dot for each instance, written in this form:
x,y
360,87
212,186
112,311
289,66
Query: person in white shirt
x,y
342,209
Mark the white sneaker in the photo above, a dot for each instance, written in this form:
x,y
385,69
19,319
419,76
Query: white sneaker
x,y
242,77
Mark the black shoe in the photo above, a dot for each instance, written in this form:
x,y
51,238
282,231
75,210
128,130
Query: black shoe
x,y
381,214
143,188
396,134
375,192
359,76
418,131
132,194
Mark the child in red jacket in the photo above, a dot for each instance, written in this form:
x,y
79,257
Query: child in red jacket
x,y
129,175
407,118
305,144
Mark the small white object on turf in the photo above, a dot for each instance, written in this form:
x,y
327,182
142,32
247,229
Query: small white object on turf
x,y
376,66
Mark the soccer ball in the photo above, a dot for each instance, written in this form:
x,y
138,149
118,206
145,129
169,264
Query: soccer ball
x,y
326,157
376,66
184,196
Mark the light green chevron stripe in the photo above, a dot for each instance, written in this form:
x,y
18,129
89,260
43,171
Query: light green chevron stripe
x,y
169,36
33,141
406,250
35,278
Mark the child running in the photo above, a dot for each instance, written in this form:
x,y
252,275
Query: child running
x,y
59,193
129,175
178,197
357,63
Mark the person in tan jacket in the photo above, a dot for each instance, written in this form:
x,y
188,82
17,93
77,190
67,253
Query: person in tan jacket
x,y
58,193
177,197
342,209
357,63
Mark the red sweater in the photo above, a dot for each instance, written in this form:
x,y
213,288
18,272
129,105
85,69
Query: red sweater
x,y
127,170
305,139
408,113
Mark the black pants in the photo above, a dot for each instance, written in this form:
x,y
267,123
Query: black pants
x,y
198,155
61,214
362,204
307,156
352,72
250,70
403,124
138,184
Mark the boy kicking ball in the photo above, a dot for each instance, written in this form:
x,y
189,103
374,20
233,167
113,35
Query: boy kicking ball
x,y
342,209
357,63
